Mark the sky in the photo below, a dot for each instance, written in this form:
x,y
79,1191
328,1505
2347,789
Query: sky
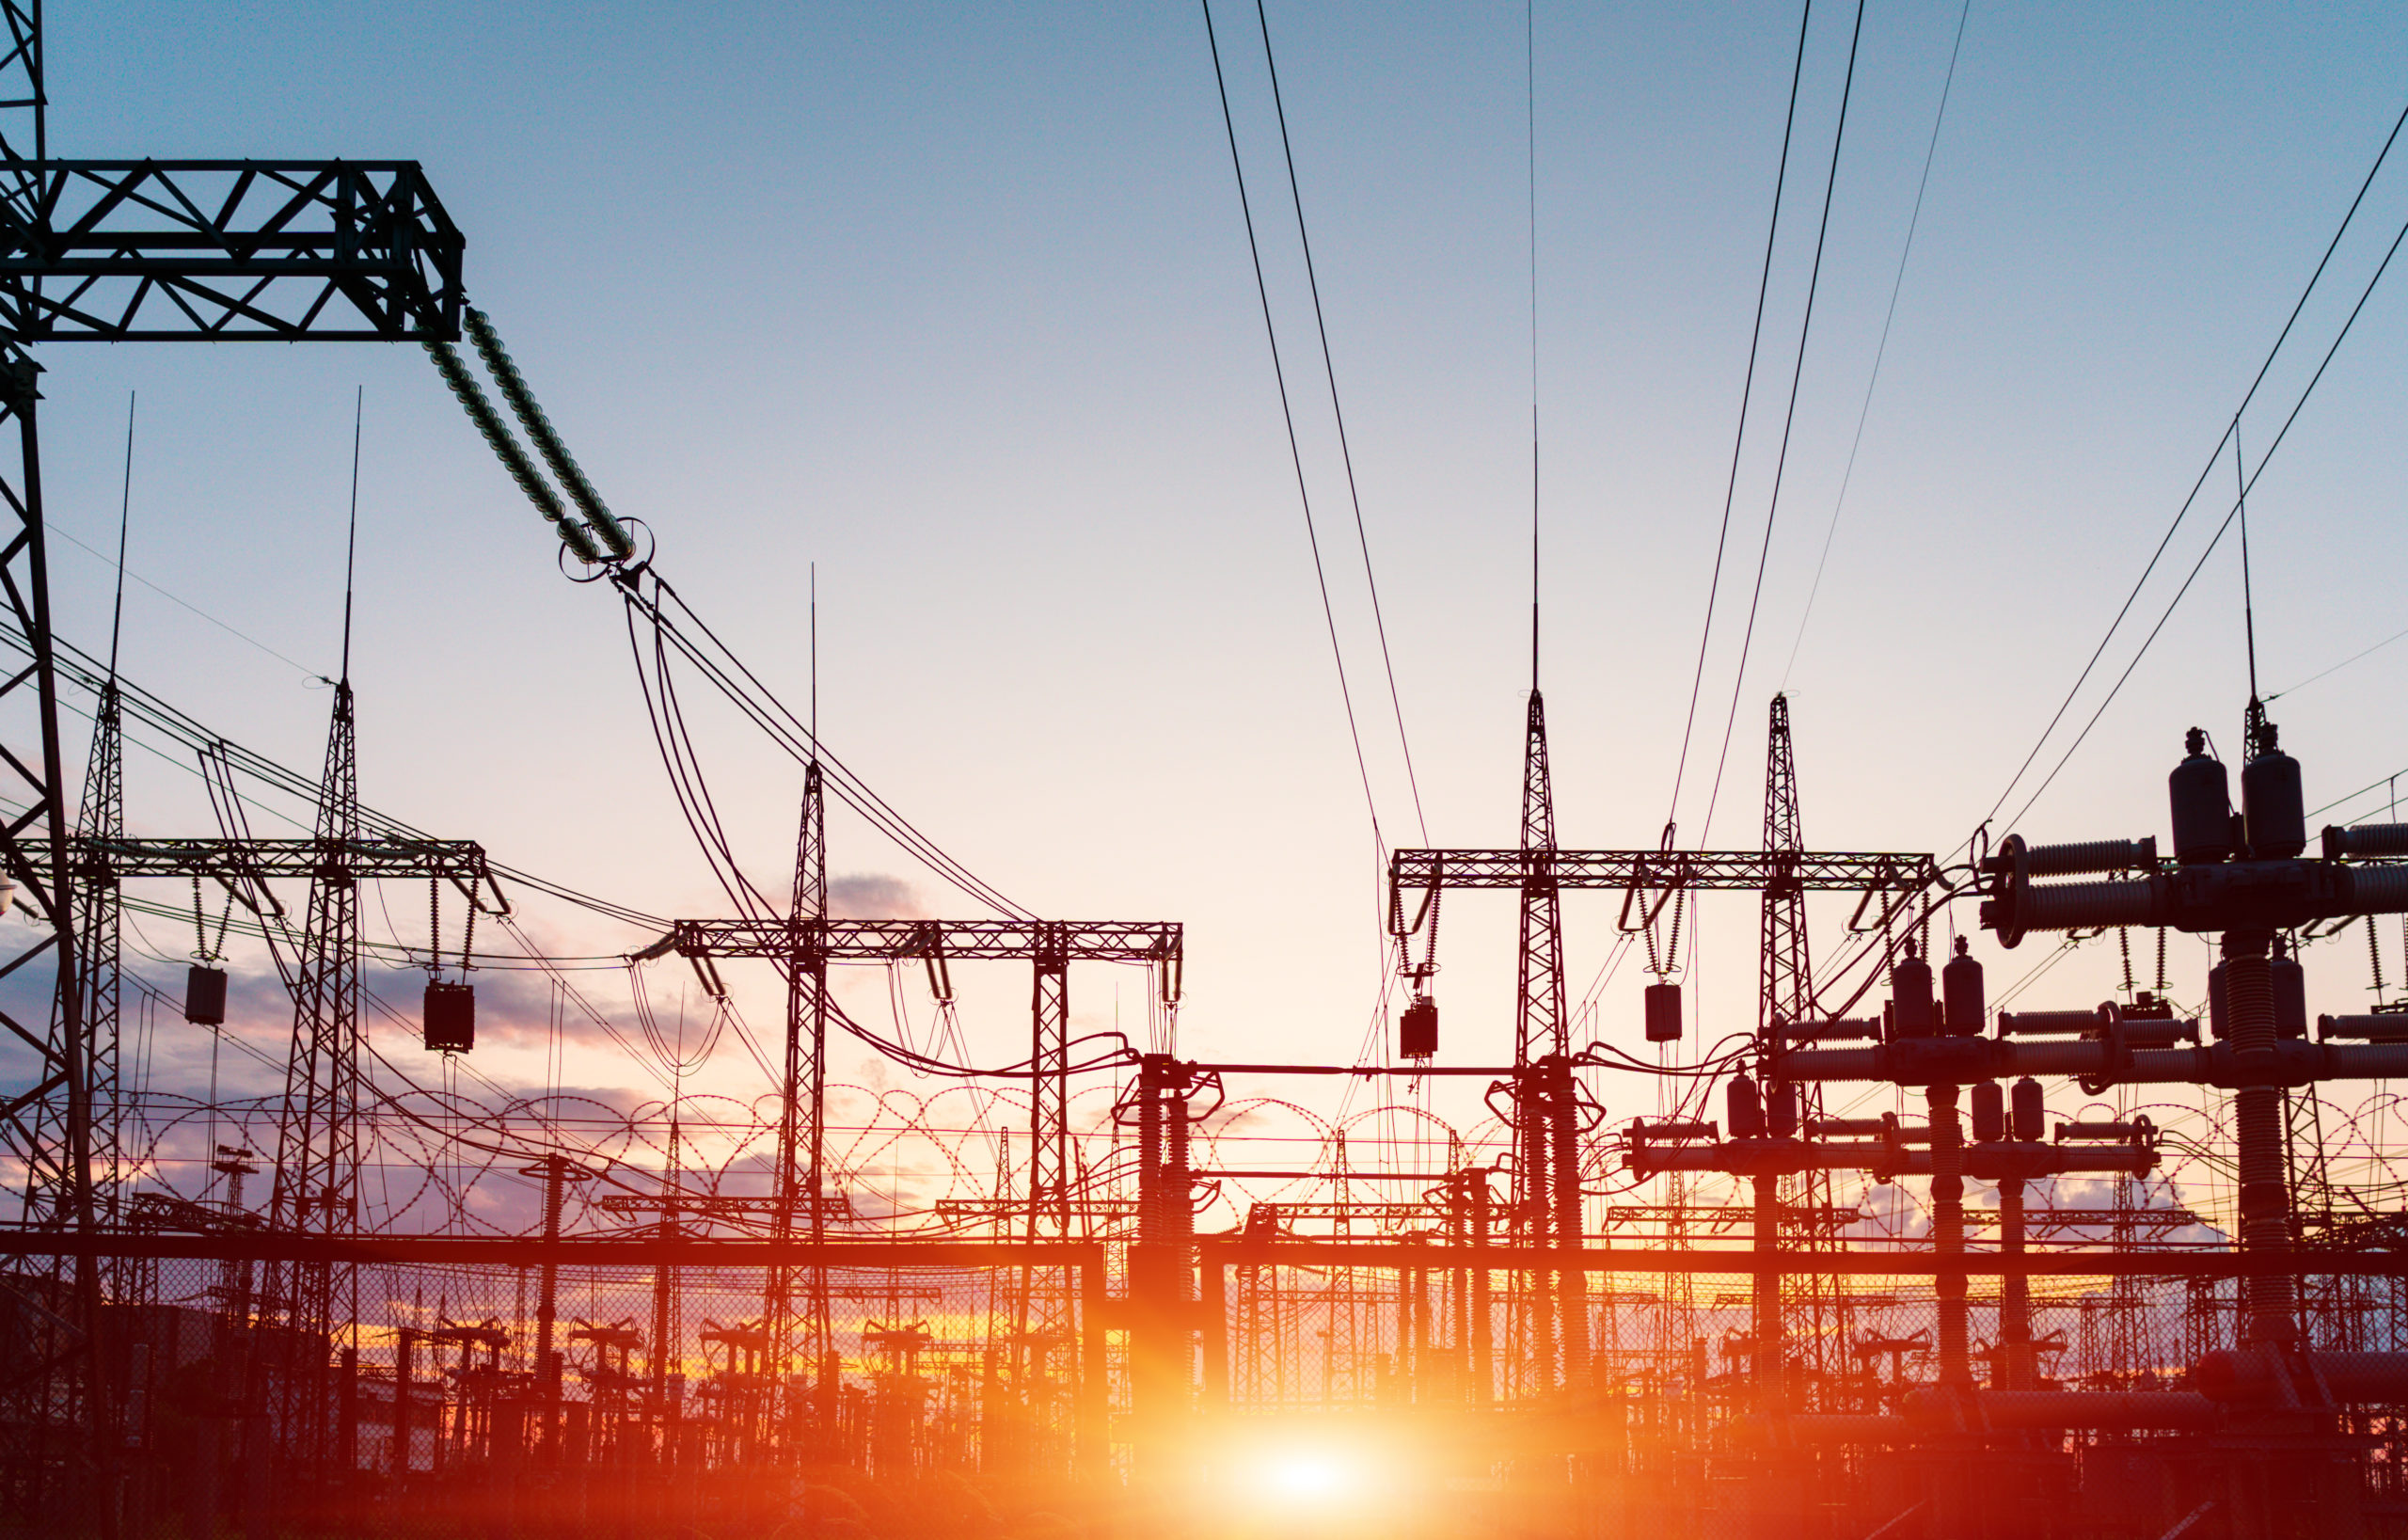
x,y
954,305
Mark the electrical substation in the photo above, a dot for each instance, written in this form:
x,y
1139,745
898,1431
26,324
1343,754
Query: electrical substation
x,y
1898,1254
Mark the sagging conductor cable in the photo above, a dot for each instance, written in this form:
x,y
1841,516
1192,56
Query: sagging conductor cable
x,y
602,541
511,454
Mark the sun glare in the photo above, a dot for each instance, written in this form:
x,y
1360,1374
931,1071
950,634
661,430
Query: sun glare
x,y
1307,1477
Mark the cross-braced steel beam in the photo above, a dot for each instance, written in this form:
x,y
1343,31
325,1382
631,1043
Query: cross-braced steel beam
x,y
274,251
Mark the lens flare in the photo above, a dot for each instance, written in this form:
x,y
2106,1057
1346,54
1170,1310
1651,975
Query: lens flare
x,y
1308,1477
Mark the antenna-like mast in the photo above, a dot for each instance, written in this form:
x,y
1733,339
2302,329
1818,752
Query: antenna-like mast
x,y
2248,608
124,507
350,540
1531,128
814,661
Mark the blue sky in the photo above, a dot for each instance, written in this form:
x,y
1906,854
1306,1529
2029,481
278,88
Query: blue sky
x,y
955,302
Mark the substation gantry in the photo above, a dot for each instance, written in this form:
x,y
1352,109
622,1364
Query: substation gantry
x,y
805,944
323,1109
1548,1111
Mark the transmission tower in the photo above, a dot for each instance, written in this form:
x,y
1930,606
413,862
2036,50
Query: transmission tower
x,y
1788,986
153,250
50,1201
1539,1031
96,927
802,1179
317,1160
1538,1006
1785,993
103,818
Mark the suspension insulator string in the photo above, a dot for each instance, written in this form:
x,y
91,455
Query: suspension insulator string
x,y
1672,943
203,949
513,385
506,448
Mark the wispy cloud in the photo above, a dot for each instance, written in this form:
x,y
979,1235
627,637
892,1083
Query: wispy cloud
x,y
873,896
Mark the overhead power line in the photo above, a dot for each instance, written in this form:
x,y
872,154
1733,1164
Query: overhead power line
x,y
89,674
1788,420
1882,349
2214,456
2365,652
1739,438
1345,451
604,544
1288,415
2239,502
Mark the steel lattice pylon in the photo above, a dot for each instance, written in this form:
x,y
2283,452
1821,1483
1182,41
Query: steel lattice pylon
x,y
97,958
49,1201
317,1159
803,1093
1539,1031
1041,1316
1050,1175
1539,1024
1787,993
49,1125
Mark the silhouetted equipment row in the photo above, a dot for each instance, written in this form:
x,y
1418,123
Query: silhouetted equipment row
x,y
1465,1327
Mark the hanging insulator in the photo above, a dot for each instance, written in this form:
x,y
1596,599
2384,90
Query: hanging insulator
x,y
1961,993
1746,1108
1416,1029
451,1020
1989,1112
1781,1114
1911,1007
2271,802
2031,1112
2201,801
545,439
205,995
1663,1014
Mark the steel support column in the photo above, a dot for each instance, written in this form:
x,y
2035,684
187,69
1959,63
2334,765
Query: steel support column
x,y
1948,1236
2272,1302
